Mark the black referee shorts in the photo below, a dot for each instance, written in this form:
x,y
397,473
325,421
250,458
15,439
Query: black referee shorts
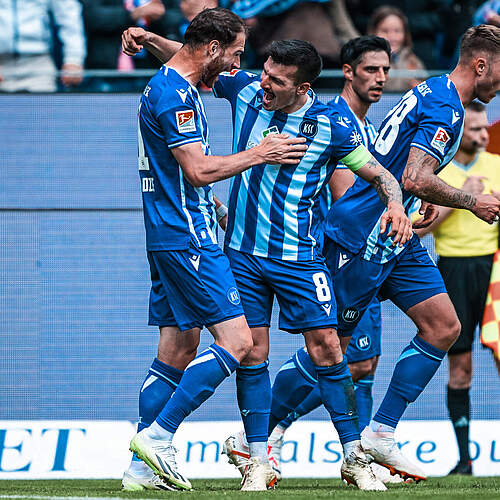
x,y
467,280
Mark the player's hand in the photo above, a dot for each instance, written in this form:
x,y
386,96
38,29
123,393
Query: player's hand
x,y
133,40
401,230
72,75
430,213
487,208
474,184
277,149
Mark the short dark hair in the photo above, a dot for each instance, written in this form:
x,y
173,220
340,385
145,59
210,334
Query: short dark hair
x,y
214,24
352,51
477,39
476,106
297,53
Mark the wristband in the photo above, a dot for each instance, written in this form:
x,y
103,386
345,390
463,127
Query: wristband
x,y
220,212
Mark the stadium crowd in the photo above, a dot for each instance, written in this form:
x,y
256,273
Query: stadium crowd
x,y
73,35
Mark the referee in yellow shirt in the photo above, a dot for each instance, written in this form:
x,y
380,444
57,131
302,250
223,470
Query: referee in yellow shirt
x,y
466,246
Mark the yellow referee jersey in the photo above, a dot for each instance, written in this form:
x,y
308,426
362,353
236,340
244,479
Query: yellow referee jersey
x,y
462,234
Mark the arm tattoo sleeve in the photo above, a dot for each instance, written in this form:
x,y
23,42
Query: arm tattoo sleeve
x,y
385,183
419,179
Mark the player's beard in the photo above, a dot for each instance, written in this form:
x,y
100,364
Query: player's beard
x,y
212,71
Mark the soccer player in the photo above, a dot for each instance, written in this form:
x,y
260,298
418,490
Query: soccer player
x,y
192,284
271,241
366,62
419,136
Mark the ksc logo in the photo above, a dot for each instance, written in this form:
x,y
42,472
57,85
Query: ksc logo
x,y
364,342
233,296
309,128
350,315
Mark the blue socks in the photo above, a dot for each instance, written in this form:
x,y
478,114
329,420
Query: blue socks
x,y
198,383
364,400
157,388
337,394
416,366
254,399
294,381
310,403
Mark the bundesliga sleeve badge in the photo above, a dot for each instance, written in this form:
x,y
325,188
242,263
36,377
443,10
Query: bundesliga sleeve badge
x,y
440,139
185,121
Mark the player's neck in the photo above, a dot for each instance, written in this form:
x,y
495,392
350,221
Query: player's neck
x,y
465,158
464,84
358,107
189,64
301,101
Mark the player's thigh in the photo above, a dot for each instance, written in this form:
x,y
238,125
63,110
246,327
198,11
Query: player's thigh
x,y
304,293
356,283
365,342
256,295
200,286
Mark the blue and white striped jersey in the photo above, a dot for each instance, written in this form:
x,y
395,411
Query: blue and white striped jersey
x,y
274,209
176,214
429,117
366,130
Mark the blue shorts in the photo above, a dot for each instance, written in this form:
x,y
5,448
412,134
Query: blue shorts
x,y
303,290
192,288
408,279
366,338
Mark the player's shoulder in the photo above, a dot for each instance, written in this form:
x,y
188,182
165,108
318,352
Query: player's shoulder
x,y
231,82
438,92
168,90
239,74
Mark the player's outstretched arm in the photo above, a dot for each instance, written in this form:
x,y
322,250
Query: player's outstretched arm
x,y
419,179
135,39
389,192
200,169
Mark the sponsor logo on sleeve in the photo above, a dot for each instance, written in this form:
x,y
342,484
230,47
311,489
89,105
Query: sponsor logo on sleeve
x,y
440,139
185,121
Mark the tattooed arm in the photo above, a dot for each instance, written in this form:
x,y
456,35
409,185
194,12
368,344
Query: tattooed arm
x,y
419,179
389,192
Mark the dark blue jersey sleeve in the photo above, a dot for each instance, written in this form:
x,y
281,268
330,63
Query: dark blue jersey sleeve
x,y
229,84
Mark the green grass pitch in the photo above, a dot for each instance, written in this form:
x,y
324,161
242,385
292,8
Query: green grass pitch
x,y
481,488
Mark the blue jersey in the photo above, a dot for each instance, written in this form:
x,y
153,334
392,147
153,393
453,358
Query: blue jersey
x,y
429,117
274,209
176,214
366,131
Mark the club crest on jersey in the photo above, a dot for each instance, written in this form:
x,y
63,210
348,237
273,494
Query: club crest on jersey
x,y
309,128
440,140
185,121
350,314
364,342
270,130
233,296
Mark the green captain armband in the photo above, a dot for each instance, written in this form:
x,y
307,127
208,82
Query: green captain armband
x,y
357,158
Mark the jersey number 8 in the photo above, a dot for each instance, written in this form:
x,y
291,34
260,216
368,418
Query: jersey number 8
x,y
322,289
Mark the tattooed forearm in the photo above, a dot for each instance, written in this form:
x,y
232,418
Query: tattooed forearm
x,y
385,184
419,179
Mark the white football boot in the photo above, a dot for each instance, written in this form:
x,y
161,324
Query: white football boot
x,y
274,445
384,474
385,451
131,482
356,470
160,456
258,475
238,453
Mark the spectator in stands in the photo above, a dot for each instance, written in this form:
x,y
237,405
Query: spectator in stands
x,y
191,8
104,22
308,20
26,62
390,23
488,13
466,246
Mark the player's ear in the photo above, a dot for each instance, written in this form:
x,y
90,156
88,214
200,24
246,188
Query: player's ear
x,y
348,71
481,66
303,88
213,48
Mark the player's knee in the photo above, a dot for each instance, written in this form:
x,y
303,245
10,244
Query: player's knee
x,y
452,330
324,347
361,369
243,347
